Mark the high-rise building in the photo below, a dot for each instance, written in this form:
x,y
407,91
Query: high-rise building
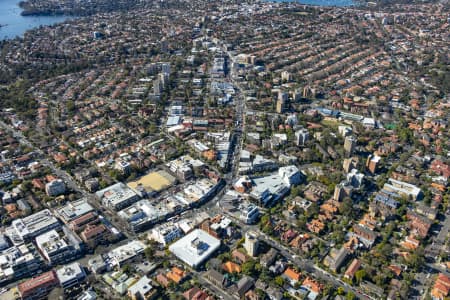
x,y
301,136
286,76
349,145
297,95
251,243
157,87
164,78
165,68
373,162
281,101
350,163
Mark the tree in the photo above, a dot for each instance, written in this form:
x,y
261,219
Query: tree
x,y
350,296
360,275
279,281
149,253
248,268
127,269
346,208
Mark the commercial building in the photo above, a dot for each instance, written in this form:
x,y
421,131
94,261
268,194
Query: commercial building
x,y
80,223
38,287
195,248
3,242
18,262
71,275
122,254
97,264
249,214
29,227
59,249
117,196
199,192
290,175
55,187
94,235
74,210
142,214
166,233
268,190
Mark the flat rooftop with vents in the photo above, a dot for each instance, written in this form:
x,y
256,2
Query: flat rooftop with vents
x,y
195,248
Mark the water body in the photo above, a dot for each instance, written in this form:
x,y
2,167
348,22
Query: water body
x,y
16,25
321,2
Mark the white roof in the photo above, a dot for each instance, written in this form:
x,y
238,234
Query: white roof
x,y
195,248
127,251
142,286
70,272
74,210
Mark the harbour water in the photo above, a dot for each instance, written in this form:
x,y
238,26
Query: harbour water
x,y
322,2
13,24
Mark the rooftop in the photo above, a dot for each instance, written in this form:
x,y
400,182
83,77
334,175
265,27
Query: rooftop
x,y
70,272
195,247
46,278
74,210
33,225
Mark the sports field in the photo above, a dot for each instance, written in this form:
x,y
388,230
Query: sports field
x,y
156,181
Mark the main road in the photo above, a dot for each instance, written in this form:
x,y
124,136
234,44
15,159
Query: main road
x,y
305,264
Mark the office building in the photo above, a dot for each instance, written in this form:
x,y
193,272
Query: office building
x,y
166,233
142,214
59,248
122,254
18,262
290,175
117,196
355,178
71,275
74,210
195,248
97,264
250,214
29,227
